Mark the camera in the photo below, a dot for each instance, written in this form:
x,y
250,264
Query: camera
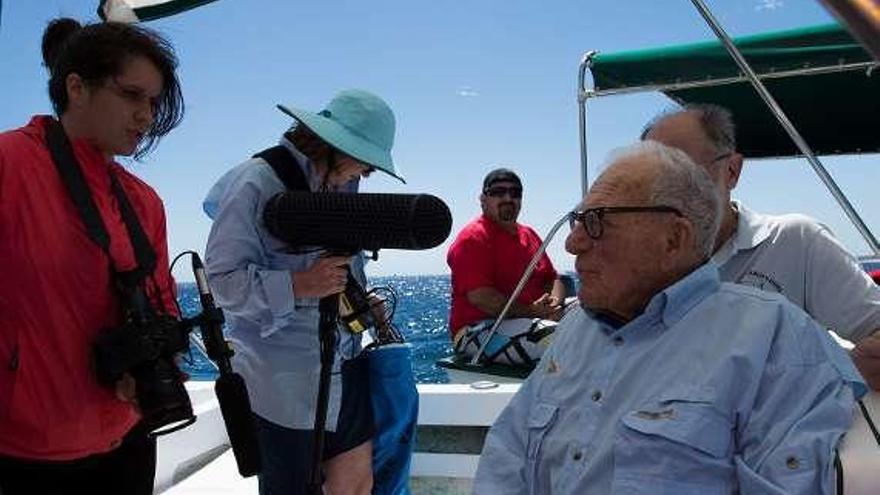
x,y
144,346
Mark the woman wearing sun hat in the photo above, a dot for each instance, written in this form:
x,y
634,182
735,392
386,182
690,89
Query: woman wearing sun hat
x,y
270,296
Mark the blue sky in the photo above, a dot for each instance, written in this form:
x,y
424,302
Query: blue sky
x,y
474,84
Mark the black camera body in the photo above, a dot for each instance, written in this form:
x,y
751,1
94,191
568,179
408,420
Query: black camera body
x,y
144,346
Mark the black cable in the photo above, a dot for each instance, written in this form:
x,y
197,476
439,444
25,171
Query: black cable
x,y
171,274
189,355
838,466
388,296
869,421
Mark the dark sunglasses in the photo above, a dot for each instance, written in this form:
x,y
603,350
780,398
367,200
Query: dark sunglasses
x,y
499,191
591,218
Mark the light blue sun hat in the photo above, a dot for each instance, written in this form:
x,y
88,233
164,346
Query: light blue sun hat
x,y
357,123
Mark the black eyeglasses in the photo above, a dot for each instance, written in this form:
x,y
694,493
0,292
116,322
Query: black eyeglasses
x,y
499,191
591,218
722,156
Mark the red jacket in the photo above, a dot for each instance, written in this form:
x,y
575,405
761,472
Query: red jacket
x,y
56,297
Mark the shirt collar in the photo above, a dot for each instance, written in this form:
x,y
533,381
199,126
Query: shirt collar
x,y
607,323
309,169
678,299
670,304
494,226
751,230
305,164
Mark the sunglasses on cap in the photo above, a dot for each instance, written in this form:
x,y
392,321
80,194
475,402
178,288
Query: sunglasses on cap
x,y
514,192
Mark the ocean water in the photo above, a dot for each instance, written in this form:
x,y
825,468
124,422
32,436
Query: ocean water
x,y
422,315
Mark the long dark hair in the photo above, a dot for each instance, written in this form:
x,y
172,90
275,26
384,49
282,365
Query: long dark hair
x,y
97,52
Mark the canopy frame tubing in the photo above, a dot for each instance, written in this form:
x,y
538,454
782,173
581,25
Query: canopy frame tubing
x,y
748,74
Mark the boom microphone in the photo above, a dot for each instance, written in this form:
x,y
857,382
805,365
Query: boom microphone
x,y
230,388
358,222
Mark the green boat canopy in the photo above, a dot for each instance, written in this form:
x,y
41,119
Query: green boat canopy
x,y
834,106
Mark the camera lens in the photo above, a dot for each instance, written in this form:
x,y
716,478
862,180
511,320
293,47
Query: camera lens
x,y
162,398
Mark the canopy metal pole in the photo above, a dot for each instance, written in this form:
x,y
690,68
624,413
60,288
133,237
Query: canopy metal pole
x,y
788,126
712,83
586,63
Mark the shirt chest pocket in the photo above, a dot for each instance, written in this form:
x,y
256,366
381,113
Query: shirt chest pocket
x,y
678,445
541,420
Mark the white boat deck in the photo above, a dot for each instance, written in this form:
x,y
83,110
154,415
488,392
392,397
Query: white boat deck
x,y
197,460
220,477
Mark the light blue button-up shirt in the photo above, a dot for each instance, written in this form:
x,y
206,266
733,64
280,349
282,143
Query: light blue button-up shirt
x,y
273,334
714,389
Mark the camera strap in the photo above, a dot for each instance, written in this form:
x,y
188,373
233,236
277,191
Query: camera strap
x,y
74,181
286,167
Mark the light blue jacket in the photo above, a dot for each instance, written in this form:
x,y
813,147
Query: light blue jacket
x,y
714,389
273,334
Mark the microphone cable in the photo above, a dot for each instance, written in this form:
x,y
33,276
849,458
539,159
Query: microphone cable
x,y
188,357
390,334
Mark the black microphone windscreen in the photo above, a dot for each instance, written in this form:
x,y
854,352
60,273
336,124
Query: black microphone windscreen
x,y
358,221
236,409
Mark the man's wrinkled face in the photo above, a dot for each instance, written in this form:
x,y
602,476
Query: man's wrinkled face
x,y
502,201
619,270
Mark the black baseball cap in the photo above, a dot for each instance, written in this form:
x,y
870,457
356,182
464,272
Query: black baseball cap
x,y
501,175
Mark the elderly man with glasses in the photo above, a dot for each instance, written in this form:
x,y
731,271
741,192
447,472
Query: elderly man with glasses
x,y
669,381
486,260
790,254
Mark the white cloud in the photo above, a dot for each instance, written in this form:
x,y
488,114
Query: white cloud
x,y
467,92
769,5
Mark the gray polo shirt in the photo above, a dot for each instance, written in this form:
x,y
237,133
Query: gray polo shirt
x,y
798,257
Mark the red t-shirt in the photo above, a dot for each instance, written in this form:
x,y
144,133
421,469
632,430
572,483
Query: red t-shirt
x,y
56,296
486,255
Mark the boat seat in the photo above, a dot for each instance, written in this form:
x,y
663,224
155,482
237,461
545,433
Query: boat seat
x,y
463,363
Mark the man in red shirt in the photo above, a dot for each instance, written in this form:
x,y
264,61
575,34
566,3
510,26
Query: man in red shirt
x,y
487,260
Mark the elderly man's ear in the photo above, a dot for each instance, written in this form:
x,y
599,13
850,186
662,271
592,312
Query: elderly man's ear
x,y
734,168
679,241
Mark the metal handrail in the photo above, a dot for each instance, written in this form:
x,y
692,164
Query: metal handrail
x,y
586,63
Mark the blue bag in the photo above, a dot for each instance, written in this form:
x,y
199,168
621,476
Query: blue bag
x,y
395,412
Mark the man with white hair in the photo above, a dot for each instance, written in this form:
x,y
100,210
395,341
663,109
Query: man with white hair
x,y
793,255
670,381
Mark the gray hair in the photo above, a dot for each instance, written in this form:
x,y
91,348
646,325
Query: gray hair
x,y
681,184
715,120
